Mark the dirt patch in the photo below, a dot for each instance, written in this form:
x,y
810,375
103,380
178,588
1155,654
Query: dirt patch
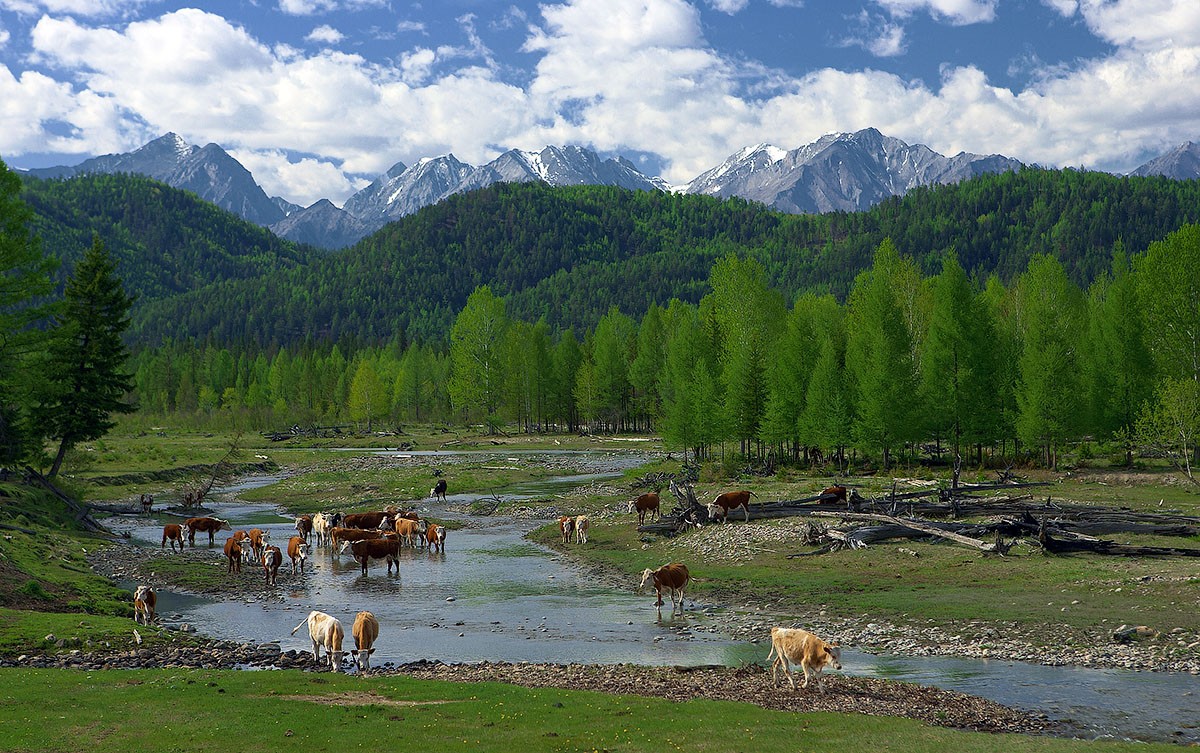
x,y
359,698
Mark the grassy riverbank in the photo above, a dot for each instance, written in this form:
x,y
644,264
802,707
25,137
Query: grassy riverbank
x,y
186,710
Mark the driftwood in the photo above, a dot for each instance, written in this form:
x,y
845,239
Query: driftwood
x,y
83,514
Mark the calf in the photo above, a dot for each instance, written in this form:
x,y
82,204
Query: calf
x,y
375,549
325,631
298,552
144,601
272,558
258,539
304,526
435,536
233,553
674,577
339,536
365,520
581,529
792,646
439,490
566,526
365,631
730,501
647,503
172,532
206,525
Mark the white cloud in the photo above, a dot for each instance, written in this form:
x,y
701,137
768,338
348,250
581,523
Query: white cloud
x,y
90,8
1144,23
1065,8
310,7
957,12
410,26
325,34
880,37
302,182
4,37
729,6
416,65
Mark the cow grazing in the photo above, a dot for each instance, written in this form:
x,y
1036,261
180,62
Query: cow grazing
x,y
304,527
673,577
365,631
365,520
272,558
172,532
407,531
233,553
205,525
144,601
647,503
375,549
435,537
721,506
298,552
581,529
835,494
325,631
439,490
566,526
258,539
792,646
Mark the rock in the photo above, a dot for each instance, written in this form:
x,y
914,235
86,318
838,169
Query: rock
x,y
450,598
50,638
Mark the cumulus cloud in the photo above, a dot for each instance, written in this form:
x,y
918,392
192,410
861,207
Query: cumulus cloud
x,y
325,34
303,181
1144,23
880,37
954,11
4,37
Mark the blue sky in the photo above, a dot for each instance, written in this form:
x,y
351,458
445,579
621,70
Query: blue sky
x,y
317,96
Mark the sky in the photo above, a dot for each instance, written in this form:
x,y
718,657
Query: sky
x,y
316,97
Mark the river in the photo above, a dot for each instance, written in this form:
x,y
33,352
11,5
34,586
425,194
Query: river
x,y
496,596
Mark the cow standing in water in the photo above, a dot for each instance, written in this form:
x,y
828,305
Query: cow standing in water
x,y
673,577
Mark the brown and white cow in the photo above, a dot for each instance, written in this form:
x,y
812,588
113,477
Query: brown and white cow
x,y
144,602
647,503
435,537
365,631
339,536
566,526
439,490
365,520
581,529
835,494
233,553
257,538
172,532
205,525
793,646
272,558
304,527
673,577
326,632
298,552
721,506
375,549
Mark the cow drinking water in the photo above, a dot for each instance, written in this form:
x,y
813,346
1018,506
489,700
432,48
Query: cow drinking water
x,y
365,631
325,631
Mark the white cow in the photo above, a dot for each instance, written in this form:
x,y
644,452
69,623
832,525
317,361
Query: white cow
x,y
325,631
322,525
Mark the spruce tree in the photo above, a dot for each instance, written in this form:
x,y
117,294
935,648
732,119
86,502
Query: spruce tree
x,y
83,377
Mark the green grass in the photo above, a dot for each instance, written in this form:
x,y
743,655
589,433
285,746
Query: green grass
x,y
198,710
24,631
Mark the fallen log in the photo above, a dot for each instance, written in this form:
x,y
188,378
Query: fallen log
x,y
927,527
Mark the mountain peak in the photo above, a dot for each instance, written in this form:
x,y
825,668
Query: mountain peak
x,y
1181,163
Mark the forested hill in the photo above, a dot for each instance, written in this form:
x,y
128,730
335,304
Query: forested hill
x,y
165,241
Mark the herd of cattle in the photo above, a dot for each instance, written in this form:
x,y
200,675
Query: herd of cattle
x,y
379,535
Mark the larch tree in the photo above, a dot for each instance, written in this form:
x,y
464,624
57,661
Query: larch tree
x,y
477,354
83,378
1168,291
369,394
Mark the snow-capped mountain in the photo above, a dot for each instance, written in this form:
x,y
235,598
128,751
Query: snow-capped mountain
x,y
839,172
207,171
322,225
1181,163
403,190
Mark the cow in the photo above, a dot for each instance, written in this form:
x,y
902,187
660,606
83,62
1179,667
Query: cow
x,y
172,532
144,601
792,646
835,494
272,558
304,527
647,503
241,537
322,524
365,631
439,490
365,520
206,525
298,552
375,549
435,537
407,531
581,529
325,631
673,577
233,553
339,536
147,503
730,501
258,539
566,526
407,515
